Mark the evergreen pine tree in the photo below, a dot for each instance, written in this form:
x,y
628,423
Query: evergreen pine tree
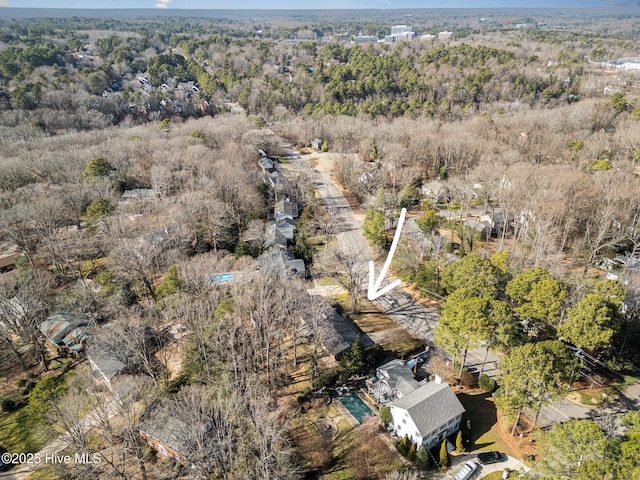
x,y
444,455
423,459
352,360
403,446
411,456
459,442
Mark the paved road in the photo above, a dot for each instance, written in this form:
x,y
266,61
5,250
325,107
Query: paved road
x,y
565,409
421,321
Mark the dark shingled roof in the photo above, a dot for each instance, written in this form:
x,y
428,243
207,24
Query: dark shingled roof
x,y
431,406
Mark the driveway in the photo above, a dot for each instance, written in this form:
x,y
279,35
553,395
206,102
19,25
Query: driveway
x,y
484,470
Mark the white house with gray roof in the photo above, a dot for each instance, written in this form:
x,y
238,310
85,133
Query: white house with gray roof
x,y
393,380
427,415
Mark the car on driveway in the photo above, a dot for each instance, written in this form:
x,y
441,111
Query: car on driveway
x,y
389,300
486,458
467,471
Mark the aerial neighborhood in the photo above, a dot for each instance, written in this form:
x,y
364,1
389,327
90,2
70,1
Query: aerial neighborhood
x,y
370,244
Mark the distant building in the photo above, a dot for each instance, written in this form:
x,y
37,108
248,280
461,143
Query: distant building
x,y
400,33
365,39
445,35
401,30
427,36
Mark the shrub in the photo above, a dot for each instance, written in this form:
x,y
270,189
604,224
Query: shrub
x,y
411,455
423,459
468,380
403,446
459,442
385,415
444,455
487,383
7,404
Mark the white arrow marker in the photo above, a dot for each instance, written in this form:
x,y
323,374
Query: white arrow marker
x,y
373,292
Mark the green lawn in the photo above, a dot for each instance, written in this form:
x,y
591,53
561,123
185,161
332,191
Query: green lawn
x,y
19,435
481,412
493,476
22,431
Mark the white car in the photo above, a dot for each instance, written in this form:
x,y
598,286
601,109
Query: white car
x,y
389,300
467,471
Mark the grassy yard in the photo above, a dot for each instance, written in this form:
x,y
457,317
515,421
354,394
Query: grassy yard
x,y
23,431
18,434
345,450
481,412
45,472
395,339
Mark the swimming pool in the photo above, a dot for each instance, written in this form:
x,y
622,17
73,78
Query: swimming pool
x,y
221,277
356,406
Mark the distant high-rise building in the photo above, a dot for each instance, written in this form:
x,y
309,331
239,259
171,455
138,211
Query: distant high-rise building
x,y
401,30
400,33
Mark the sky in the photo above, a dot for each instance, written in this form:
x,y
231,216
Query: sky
x,y
309,4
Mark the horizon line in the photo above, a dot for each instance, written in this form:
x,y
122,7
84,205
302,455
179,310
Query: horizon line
x,y
327,9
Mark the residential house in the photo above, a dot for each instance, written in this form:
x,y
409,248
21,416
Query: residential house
x,y
285,226
334,332
159,236
436,191
8,255
483,230
139,194
104,367
267,165
497,221
427,415
393,380
445,35
287,208
296,268
66,331
630,261
316,143
274,180
12,311
274,237
163,431
188,87
281,263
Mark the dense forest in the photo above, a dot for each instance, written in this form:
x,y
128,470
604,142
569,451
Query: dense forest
x,y
133,175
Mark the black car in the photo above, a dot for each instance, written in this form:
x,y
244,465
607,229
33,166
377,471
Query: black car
x,y
485,458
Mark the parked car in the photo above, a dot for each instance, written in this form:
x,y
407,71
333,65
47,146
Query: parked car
x,y
486,458
467,471
389,300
